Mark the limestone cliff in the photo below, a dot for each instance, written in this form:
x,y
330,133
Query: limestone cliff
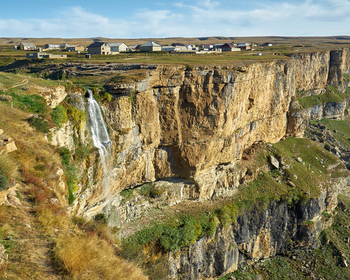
x,y
186,128
182,122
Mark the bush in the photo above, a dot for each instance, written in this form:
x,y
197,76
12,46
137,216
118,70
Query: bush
x,y
101,218
76,116
3,182
39,124
65,156
59,116
150,190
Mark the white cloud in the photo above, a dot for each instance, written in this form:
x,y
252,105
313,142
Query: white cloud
x,y
205,18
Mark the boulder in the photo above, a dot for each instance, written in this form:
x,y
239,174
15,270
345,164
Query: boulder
x,y
274,162
5,97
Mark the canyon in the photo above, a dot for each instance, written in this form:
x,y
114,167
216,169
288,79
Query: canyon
x,y
188,132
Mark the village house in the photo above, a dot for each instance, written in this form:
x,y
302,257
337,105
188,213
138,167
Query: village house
x,y
243,46
190,47
228,47
75,48
179,47
27,47
45,55
118,47
100,48
206,46
64,46
216,46
150,47
168,48
131,48
52,46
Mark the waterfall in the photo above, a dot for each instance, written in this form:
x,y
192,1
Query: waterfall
x,y
99,132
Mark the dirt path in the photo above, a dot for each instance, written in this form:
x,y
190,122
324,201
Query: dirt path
x,y
24,82
29,246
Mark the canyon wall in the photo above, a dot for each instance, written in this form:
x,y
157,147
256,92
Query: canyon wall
x,y
186,128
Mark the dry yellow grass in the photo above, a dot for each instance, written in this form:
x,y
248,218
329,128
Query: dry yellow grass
x,y
88,257
8,167
51,220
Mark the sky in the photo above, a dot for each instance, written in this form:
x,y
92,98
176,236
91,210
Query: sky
x,y
155,19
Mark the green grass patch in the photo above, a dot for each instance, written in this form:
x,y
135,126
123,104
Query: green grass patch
x,y
343,130
39,124
127,195
151,190
71,173
30,103
59,116
331,95
180,232
346,77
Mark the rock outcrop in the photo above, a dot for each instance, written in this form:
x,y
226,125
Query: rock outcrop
x,y
257,235
7,144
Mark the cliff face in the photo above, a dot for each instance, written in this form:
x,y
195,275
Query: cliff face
x,y
257,235
194,123
186,128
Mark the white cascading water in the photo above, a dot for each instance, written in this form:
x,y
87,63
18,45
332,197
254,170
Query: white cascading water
x,y
99,132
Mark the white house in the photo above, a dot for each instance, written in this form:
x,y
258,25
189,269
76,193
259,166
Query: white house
x,y
52,46
168,48
118,47
150,46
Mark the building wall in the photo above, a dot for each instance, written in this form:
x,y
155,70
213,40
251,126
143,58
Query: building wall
x,y
230,49
150,49
100,50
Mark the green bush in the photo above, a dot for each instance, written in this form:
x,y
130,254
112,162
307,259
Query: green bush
x,y
3,182
76,116
71,173
39,124
65,156
170,239
101,218
59,116
150,190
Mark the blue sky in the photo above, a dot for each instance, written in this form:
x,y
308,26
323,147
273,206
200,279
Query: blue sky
x,y
194,18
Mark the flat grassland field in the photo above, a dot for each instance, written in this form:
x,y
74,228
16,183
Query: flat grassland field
x,y
282,46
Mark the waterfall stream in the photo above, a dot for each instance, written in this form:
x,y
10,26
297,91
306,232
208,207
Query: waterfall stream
x,y
99,132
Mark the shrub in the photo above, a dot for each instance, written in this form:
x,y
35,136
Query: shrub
x,y
39,124
65,156
100,218
76,116
59,116
150,190
127,195
170,239
3,182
